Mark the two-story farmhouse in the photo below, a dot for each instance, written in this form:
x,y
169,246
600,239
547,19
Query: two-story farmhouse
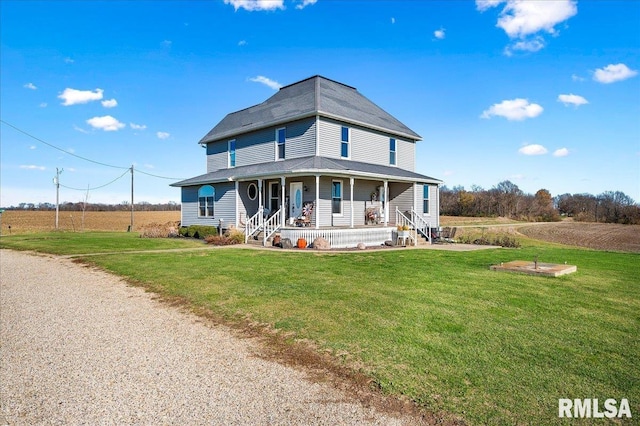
x,y
315,159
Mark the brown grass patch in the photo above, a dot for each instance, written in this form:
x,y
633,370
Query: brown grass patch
x,y
24,221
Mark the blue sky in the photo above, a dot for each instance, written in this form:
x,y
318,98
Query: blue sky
x,y
545,94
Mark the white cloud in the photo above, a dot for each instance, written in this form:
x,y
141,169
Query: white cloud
x,y
533,149
516,109
74,97
242,43
572,99
483,5
253,5
531,45
439,34
306,3
576,77
135,126
162,135
166,43
266,81
32,147
106,123
109,103
148,166
80,129
30,86
43,105
522,19
393,20
32,167
68,61
612,73
562,152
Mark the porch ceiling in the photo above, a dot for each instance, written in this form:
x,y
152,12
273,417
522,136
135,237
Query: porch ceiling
x,y
313,165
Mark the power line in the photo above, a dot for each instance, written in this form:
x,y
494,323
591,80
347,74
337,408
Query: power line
x,y
97,187
60,149
85,158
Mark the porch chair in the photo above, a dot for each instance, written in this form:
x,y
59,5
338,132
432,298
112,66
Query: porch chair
x,y
452,234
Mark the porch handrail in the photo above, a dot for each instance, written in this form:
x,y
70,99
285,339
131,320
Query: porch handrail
x,y
254,224
271,225
402,220
421,225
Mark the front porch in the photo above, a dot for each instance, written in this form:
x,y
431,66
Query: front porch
x,y
342,237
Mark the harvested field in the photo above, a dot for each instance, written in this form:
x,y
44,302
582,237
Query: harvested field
x,y
599,236
21,221
472,221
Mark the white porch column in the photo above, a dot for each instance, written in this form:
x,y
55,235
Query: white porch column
x,y
260,201
351,181
415,198
386,203
283,209
316,208
237,201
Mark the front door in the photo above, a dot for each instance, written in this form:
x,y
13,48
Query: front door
x,y
295,205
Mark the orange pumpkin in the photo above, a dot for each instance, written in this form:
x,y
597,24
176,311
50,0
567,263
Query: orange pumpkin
x,y
302,243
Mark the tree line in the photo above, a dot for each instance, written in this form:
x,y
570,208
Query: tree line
x,y
99,207
507,200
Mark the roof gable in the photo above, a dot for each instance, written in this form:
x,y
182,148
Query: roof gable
x,y
314,96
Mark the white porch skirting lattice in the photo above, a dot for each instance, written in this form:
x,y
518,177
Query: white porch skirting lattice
x,y
341,238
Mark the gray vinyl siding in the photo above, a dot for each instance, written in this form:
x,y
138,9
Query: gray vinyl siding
x,y
217,156
433,215
224,207
260,146
368,146
246,206
401,195
406,154
301,138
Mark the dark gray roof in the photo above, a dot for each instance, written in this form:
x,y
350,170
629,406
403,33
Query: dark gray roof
x,y
314,96
308,165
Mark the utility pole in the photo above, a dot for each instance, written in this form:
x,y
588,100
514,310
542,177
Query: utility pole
x,y
131,226
56,182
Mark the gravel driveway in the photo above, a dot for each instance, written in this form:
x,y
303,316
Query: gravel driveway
x,y
79,346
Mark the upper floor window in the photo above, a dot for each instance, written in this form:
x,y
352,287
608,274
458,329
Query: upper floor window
x,y
232,152
206,196
392,151
344,144
336,197
425,199
281,136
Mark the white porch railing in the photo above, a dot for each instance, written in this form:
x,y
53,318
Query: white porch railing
x,y
254,224
422,226
271,225
341,237
416,223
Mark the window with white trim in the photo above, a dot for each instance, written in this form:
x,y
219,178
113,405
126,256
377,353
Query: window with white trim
x,y
252,191
206,197
281,137
392,151
336,197
345,139
425,199
231,148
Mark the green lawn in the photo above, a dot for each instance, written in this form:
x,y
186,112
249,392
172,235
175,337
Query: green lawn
x,y
436,326
73,243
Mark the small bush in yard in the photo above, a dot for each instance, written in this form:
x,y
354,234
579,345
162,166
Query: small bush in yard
x,y
156,230
198,231
234,236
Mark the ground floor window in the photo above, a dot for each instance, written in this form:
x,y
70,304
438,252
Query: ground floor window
x,y
206,196
336,197
425,199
